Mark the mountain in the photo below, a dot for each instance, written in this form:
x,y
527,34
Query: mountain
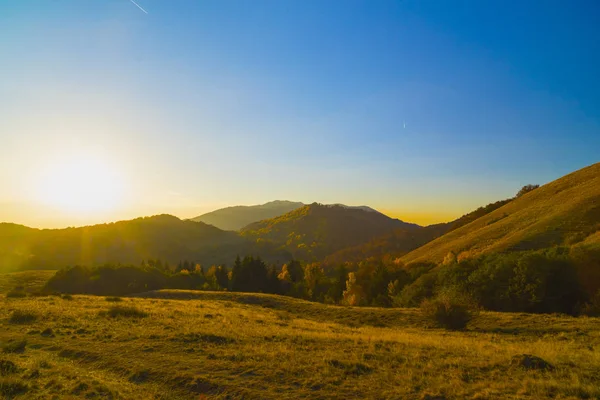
x,y
235,218
159,237
563,212
401,241
316,230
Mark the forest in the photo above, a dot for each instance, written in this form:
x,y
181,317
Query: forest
x,y
557,280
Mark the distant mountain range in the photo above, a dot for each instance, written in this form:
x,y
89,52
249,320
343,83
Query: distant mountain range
x,y
236,217
563,212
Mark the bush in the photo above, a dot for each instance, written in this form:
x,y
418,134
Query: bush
x,y
114,299
8,367
10,388
126,312
449,310
15,347
22,317
591,308
16,294
66,297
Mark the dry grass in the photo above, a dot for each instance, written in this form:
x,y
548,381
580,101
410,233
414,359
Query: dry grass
x,y
560,212
25,281
224,345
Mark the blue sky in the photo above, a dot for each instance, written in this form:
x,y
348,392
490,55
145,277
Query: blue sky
x,y
422,109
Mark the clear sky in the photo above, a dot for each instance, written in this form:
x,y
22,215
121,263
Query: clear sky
x,y
423,109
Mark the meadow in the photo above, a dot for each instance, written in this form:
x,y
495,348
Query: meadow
x,y
176,344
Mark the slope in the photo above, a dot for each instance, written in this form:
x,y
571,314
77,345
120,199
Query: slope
x,y
160,237
315,231
235,218
391,245
564,211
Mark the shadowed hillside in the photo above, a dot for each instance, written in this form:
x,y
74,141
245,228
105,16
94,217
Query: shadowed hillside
x,y
565,211
391,245
402,241
315,231
160,237
235,218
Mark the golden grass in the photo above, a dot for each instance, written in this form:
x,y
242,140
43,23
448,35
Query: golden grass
x,y
31,281
226,345
559,212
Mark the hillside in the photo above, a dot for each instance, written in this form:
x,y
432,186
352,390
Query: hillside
x,y
391,245
221,345
160,237
401,241
564,211
237,217
315,231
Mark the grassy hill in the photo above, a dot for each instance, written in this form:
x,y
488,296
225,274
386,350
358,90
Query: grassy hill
x,y
30,281
235,218
315,231
191,345
565,211
160,237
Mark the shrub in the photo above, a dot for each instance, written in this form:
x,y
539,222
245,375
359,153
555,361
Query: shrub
x,y
449,310
126,312
7,367
591,308
15,347
66,297
22,317
16,294
114,299
10,388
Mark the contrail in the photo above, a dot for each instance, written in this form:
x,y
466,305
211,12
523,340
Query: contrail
x,y
138,6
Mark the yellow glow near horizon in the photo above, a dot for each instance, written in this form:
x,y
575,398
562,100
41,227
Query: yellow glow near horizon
x,y
80,186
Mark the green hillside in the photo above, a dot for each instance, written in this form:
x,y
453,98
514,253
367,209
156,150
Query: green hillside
x,y
315,231
565,211
237,217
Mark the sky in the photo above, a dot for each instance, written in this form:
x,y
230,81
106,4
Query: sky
x,y
422,109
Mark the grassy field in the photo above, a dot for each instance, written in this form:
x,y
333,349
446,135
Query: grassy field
x,y
205,345
30,281
564,211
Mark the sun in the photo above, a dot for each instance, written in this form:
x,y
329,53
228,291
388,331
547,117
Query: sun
x,y
81,186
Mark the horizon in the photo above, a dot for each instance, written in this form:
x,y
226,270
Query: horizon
x,y
420,110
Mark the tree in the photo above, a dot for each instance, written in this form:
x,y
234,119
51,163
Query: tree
x,y
526,189
313,276
354,294
338,284
378,290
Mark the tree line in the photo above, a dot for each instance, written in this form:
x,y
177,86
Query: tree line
x,y
561,279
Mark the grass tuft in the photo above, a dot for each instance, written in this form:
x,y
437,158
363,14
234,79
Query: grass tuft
x,y
114,299
16,294
22,317
8,367
15,347
126,312
10,388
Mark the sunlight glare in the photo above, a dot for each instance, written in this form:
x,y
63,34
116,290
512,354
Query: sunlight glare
x,y
81,185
